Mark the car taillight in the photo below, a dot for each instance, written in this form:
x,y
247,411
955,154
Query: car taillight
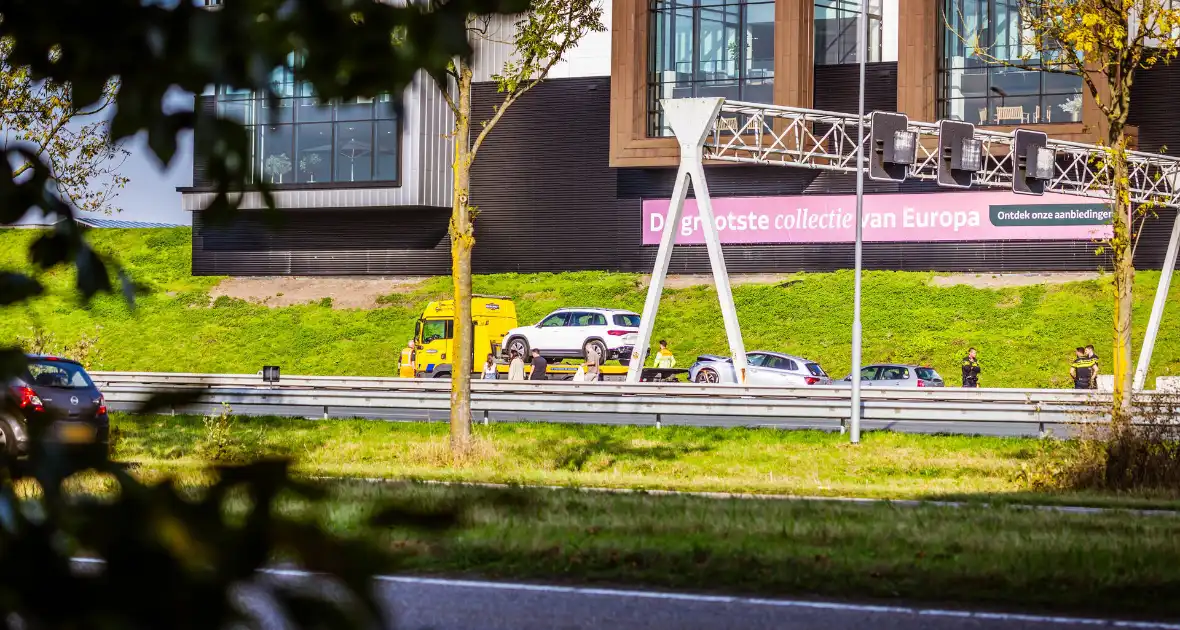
x,y
921,383
102,405
811,380
617,333
29,399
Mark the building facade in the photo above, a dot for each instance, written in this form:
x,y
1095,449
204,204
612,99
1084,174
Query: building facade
x,y
574,175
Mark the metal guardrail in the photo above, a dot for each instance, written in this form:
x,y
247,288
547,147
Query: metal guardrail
x,y
677,403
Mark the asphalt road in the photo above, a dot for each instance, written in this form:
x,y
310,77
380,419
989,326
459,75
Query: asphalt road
x,y
412,415
413,603
455,605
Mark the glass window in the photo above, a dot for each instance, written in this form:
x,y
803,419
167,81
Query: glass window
x,y
755,359
61,374
894,373
298,140
435,329
630,321
386,155
555,320
709,48
928,374
589,319
868,374
836,31
354,151
274,149
990,73
314,148
815,369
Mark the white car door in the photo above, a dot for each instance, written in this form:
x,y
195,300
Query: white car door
x,y
780,372
548,334
581,326
754,373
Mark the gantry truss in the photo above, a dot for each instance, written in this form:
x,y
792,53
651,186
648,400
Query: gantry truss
x,y
753,133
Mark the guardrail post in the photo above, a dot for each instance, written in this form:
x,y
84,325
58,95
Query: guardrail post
x,y
485,417
325,412
659,425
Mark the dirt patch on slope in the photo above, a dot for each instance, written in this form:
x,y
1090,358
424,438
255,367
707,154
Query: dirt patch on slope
x,y
685,281
1004,280
290,290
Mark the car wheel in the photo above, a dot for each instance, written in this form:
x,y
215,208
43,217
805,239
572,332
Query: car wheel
x,y
10,446
442,375
597,346
707,376
521,346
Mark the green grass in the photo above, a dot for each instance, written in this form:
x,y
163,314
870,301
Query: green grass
x,y
1024,334
1004,558
1001,557
760,461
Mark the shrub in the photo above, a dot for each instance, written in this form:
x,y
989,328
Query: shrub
x,y
220,443
1140,456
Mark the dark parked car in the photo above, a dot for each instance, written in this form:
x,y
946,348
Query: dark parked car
x,y
58,391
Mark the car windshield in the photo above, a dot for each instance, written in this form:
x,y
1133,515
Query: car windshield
x,y
927,374
630,321
816,370
61,374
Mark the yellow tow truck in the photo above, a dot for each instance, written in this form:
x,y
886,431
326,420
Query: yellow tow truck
x,y
493,316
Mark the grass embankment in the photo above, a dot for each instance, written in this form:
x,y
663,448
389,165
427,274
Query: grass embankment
x,y
757,461
1024,334
1002,557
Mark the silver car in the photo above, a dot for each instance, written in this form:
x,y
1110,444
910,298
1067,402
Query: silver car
x,y
895,375
765,368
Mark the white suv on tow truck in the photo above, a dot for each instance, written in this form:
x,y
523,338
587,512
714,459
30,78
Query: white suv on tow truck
x,y
570,333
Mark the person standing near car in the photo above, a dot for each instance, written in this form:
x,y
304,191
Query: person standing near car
x,y
1081,370
540,365
405,367
971,369
1094,369
591,366
515,366
664,358
489,368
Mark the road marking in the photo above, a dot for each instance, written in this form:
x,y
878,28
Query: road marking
x,y
729,599
778,603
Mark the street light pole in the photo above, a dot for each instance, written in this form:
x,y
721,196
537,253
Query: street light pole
x,y
862,48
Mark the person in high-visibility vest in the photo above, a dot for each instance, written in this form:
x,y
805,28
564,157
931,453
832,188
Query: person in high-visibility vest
x,y
405,368
664,358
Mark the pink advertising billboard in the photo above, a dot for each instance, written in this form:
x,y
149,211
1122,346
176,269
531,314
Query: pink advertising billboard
x,y
967,216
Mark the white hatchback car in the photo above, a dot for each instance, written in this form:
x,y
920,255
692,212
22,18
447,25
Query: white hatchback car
x,y
570,333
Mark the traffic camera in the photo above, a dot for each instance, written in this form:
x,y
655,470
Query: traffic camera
x,y
1034,161
892,146
960,154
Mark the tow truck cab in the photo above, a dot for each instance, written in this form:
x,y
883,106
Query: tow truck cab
x,y
434,333
493,316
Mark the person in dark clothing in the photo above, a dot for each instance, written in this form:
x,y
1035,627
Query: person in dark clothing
x,y
1094,370
540,365
1082,370
971,369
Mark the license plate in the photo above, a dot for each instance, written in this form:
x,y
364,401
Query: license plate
x,y
75,432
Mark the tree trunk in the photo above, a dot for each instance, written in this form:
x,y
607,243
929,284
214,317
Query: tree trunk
x,y
462,242
1124,278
